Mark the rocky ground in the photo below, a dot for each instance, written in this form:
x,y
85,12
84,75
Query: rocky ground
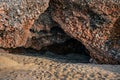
x,y
49,66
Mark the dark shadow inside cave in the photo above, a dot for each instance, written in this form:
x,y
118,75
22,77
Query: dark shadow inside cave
x,y
71,51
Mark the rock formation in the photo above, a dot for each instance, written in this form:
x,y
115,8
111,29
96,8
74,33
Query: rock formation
x,y
96,23
45,32
38,23
16,18
21,24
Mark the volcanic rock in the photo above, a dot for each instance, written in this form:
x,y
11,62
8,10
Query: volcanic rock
x,y
38,23
45,31
16,19
96,23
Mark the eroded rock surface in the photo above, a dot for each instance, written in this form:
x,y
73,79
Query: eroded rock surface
x,y
16,19
96,23
28,23
45,31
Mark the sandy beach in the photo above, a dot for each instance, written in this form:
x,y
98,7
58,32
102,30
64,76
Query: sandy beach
x,y
37,67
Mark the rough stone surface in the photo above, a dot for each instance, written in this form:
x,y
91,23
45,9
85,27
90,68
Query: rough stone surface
x,y
45,32
96,23
16,19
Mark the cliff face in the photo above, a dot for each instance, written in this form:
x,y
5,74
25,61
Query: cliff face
x,y
96,23
35,24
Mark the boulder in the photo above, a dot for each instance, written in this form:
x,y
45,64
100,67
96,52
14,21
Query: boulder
x,y
40,23
16,19
96,23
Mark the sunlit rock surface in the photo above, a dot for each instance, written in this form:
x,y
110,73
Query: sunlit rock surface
x,y
39,23
16,19
96,23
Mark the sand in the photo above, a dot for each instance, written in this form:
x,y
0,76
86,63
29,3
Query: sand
x,y
34,67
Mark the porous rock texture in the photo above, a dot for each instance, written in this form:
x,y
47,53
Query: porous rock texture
x,y
45,31
16,18
38,23
26,23
96,23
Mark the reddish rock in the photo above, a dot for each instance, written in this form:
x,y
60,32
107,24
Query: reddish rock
x,y
16,19
45,32
96,23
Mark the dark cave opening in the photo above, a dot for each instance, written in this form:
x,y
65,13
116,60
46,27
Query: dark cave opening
x,y
71,51
69,46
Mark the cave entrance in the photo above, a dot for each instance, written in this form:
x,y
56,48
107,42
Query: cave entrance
x,y
71,51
